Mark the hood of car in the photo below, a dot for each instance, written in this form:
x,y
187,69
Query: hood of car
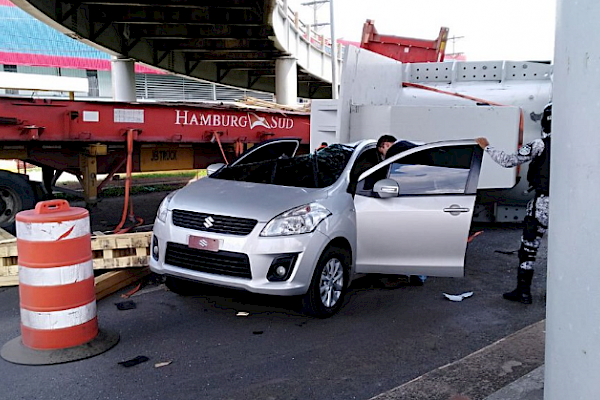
x,y
241,199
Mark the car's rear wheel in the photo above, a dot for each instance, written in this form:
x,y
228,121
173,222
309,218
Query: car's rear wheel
x,y
329,284
182,287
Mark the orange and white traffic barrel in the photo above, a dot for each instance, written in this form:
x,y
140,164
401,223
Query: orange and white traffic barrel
x,y
56,278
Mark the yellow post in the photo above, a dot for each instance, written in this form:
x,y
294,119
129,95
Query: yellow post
x,y
89,170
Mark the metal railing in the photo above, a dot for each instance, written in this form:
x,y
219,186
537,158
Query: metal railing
x,y
306,31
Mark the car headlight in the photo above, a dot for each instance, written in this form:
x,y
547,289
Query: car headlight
x,y
303,219
163,209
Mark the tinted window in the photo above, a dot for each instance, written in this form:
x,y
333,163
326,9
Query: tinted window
x,y
272,151
315,170
368,158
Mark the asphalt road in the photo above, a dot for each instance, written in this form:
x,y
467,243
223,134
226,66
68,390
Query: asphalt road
x,y
382,338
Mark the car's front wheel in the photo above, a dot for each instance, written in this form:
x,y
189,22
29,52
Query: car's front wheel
x,y
329,284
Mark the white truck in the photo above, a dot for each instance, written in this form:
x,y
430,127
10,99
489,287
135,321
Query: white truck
x,y
425,102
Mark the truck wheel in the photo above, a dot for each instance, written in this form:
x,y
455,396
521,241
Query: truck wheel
x,y
329,284
16,194
182,287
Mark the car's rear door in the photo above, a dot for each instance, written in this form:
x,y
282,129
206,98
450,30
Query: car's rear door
x,y
414,210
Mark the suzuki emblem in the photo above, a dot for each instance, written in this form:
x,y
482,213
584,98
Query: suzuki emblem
x,y
208,222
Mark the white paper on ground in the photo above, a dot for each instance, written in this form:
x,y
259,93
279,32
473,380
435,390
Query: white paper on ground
x,y
458,297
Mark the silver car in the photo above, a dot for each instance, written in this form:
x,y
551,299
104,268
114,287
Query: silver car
x,y
279,224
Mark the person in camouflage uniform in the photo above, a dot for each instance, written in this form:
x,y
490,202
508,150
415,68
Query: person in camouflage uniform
x,y
537,153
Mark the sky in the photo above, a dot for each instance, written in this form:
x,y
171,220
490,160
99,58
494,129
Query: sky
x,y
515,30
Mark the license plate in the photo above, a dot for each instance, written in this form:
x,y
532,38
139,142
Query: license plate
x,y
202,243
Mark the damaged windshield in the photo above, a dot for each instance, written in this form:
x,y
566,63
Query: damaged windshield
x,y
314,170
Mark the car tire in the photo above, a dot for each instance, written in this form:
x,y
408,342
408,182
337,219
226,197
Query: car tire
x,y
182,287
329,284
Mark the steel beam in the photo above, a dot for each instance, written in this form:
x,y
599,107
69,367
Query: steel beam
x,y
200,15
230,4
208,31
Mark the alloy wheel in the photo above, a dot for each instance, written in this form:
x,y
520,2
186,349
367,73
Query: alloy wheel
x,y
332,281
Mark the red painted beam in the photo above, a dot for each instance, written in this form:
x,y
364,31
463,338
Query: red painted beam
x,y
46,120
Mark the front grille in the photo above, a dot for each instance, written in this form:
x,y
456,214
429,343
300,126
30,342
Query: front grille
x,y
220,262
213,223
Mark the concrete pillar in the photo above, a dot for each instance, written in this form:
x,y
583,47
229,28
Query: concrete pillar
x,y
123,79
573,297
286,23
334,54
286,81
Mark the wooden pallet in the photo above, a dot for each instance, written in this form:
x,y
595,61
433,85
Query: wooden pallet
x,y
253,101
123,250
9,280
6,237
9,267
127,250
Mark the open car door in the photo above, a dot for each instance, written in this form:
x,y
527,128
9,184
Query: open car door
x,y
414,210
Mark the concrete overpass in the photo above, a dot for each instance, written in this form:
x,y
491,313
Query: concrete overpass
x,y
254,44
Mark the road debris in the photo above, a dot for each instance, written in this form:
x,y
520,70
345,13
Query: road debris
x,y
162,364
132,291
242,314
134,361
126,305
458,297
473,236
509,252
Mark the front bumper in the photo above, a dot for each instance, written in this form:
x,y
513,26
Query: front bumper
x,y
261,251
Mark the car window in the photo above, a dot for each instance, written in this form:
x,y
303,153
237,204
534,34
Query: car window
x,y
271,151
314,170
441,170
367,159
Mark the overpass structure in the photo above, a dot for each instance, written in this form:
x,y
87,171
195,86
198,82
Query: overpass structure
x,y
253,44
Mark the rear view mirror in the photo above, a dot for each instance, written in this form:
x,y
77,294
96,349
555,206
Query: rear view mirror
x,y
387,188
212,168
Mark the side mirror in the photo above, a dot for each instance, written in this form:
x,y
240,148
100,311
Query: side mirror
x,y
387,188
212,168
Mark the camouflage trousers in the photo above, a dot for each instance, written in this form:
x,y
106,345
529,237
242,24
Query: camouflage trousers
x,y
536,225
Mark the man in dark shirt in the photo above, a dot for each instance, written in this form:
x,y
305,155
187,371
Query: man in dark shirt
x,y
384,143
398,147
369,159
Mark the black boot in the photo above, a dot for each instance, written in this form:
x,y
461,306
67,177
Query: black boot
x,y
522,293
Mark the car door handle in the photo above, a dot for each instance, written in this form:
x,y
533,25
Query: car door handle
x,y
455,209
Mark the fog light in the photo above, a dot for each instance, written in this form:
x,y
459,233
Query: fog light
x,y
281,268
280,271
155,249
